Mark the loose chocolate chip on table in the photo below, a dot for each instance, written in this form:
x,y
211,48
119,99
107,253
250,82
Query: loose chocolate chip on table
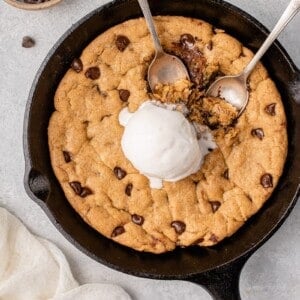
x,y
92,73
122,42
117,231
209,45
213,238
270,109
28,42
215,205
136,219
178,226
266,180
67,156
258,132
226,174
85,192
76,186
120,173
77,65
187,40
128,189
124,95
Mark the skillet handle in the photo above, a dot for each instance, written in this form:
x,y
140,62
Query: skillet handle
x,y
223,283
37,185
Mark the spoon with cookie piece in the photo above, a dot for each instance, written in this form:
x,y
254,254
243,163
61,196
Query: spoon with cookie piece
x,y
233,89
165,68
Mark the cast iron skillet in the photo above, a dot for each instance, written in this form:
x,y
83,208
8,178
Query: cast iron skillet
x,y
217,268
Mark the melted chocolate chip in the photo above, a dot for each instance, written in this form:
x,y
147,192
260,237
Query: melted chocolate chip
x,y
198,241
193,59
120,173
213,238
209,46
258,132
122,42
28,42
136,219
117,231
85,192
76,186
128,189
215,205
77,65
226,174
266,180
92,73
270,109
178,226
124,95
67,156
187,40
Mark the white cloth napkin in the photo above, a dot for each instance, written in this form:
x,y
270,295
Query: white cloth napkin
x,y
33,268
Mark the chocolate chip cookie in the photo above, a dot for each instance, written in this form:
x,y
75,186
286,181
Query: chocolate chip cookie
x,y
109,193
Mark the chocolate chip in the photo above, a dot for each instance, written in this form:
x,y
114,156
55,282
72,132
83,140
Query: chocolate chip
x,y
85,192
28,42
128,189
136,219
92,73
77,65
120,173
124,95
117,231
67,156
178,226
266,180
258,132
194,61
209,46
226,174
122,42
215,205
198,241
187,40
270,109
213,238
76,186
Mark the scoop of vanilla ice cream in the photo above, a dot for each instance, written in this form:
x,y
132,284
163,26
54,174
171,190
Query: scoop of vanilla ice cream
x,y
161,143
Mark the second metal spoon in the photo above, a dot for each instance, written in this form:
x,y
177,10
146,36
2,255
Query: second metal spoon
x,y
234,88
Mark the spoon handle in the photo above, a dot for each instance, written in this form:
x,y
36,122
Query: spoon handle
x,y
287,16
147,14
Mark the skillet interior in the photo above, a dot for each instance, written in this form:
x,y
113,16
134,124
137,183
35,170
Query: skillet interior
x,y
43,187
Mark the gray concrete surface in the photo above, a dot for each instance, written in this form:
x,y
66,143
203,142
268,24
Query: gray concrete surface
x,y
273,272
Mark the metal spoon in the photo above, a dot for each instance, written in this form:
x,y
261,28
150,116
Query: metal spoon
x,y
234,88
164,68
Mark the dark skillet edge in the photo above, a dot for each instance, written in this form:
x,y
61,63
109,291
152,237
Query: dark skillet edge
x,y
233,267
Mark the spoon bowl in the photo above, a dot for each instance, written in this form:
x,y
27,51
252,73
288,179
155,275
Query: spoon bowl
x,y
232,89
166,69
